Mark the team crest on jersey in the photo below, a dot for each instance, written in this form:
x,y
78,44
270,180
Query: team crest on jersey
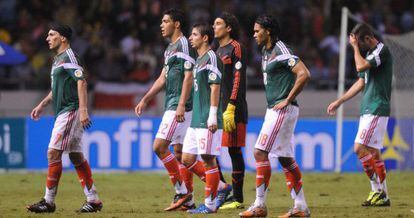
x,y
212,76
238,65
370,57
291,62
187,65
78,73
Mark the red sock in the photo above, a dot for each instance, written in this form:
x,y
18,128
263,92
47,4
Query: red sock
x,y
368,163
198,169
187,176
293,177
53,174
212,181
263,173
85,174
380,170
171,164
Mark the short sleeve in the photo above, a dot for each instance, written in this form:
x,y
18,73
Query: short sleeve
x,y
378,56
186,56
214,71
287,60
75,71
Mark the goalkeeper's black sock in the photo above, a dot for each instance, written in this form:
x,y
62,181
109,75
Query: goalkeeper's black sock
x,y
238,172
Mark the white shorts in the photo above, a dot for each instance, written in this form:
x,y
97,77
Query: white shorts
x,y
276,135
371,130
171,130
67,133
202,141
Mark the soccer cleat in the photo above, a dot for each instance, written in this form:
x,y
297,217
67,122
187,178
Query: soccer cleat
x,y
186,207
90,207
295,212
371,196
179,200
223,194
41,207
381,200
232,205
202,209
254,211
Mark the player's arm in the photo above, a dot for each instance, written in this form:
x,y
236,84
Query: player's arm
x,y
302,77
154,90
214,101
83,103
229,124
35,114
360,62
354,90
185,93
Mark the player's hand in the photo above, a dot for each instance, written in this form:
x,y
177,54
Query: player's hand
x,y
331,110
84,118
281,105
353,40
212,128
179,113
35,114
229,124
140,108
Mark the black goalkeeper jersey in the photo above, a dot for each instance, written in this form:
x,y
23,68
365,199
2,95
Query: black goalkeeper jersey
x,y
233,85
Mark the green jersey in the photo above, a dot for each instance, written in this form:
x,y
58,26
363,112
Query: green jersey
x,y
378,79
207,71
179,58
278,78
66,71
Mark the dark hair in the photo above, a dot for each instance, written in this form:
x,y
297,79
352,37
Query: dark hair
x,y
176,15
62,29
205,29
269,23
361,30
233,23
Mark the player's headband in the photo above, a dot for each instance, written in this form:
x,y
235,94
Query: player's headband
x,y
63,30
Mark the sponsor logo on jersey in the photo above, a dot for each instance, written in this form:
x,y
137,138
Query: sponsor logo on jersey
x,y
238,65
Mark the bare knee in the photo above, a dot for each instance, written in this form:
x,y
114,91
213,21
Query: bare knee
x,y
54,155
260,155
361,150
209,160
178,152
286,161
188,159
76,158
160,147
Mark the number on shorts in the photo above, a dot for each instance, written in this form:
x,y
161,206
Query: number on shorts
x,y
363,133
202,143
163,128
263,139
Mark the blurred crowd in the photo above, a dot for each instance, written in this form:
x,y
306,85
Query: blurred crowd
x,y
120,40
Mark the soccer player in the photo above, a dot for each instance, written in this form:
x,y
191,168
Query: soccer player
x,y
69,98
233,89
205,132
176,77
375,77
284,76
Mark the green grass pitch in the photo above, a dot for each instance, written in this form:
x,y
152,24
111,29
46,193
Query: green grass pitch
x,y
145,194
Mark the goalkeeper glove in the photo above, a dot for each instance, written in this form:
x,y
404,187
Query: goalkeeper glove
x,y
229,124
